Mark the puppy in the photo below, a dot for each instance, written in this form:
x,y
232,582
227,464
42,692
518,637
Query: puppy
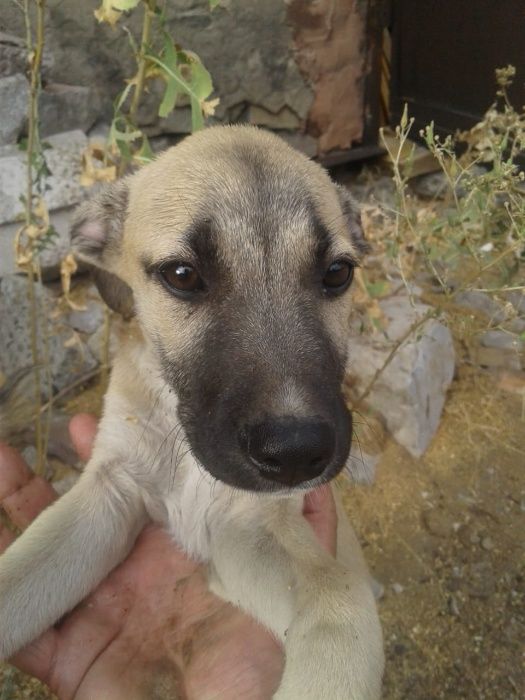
x,y
236,254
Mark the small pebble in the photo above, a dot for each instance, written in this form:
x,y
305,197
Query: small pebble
x,y
487,543
453,606
397,588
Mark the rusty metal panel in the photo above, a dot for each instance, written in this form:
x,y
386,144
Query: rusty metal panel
x,y
444,53
337,48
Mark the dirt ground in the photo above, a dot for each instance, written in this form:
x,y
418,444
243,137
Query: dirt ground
x,y
444,536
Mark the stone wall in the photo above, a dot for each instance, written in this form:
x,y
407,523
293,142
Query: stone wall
x,y
296,67
286,64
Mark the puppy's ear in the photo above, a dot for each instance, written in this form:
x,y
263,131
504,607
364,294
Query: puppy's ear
x,y
96,235
98,225
352,216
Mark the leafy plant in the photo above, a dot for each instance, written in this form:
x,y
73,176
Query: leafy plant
x,y
481,225
157,57
36,233
475,238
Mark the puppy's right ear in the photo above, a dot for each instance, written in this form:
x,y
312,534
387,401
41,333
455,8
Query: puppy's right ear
x,y
96,235
98,225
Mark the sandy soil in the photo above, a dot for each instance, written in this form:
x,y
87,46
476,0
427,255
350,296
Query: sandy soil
x,y
444,535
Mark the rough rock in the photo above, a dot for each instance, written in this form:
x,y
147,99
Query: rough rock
x,y
500,340
481,303
50,257
13,54
380,191
69,356
517,299
66,108
87,320
499,349
410,392
14,95
63,185
255,65
435,185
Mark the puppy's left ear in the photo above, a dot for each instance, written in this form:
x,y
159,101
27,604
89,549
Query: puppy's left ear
x,y
96,236
98,225
352,216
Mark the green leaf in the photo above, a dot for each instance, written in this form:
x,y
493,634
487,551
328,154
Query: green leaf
x,y
173,89
122,98
145,154
198,87
214,4
170,98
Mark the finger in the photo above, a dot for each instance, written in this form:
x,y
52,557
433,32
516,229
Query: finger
x,y
14,472
83,428
22,495
320,511
38,658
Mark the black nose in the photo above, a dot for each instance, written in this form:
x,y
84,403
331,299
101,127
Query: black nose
x,y
291,450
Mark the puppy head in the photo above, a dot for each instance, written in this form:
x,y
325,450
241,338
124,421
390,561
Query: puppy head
x,y
238,253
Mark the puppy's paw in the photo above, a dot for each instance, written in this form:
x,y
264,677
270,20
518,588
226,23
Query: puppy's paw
x,y
340,661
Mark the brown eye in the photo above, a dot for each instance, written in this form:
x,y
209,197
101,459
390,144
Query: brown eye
x,y
338,277
181,277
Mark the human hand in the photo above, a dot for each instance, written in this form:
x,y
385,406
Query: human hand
x,y
151,629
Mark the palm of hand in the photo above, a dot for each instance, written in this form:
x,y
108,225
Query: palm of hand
x,y
151,629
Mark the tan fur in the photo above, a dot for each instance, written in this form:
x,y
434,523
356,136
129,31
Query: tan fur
x,y
321,608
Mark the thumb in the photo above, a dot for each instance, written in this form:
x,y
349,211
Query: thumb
x,y
83,428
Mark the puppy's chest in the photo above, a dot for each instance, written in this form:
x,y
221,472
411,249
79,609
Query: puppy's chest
x,y
189,508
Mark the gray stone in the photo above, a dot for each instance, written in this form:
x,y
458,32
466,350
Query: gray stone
x,y
380,191
96,341
397,588
517,299
87,320
501,340
63,185
481,303
435,185
66,108
14,96
50,256
495,358
499,349
430,185
13,54
247,47
69,357
487,543
410,392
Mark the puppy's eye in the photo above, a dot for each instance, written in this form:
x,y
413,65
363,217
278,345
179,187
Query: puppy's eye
x,y
338,277
181,277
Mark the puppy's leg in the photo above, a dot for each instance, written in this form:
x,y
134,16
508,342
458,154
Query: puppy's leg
x,y
65,552
323,611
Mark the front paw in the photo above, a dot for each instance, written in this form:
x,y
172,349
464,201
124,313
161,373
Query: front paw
x,y
333,660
